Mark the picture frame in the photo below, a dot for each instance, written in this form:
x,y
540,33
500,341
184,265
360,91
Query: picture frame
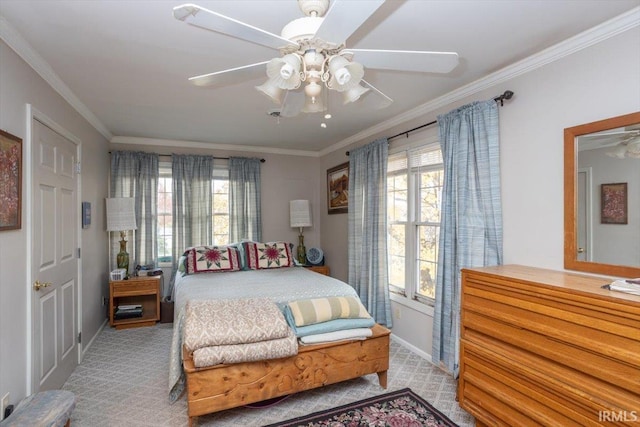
x,y
338,189
10,173
613,203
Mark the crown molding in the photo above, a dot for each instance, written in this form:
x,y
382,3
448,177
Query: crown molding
x,y
597,34
16,42
173,143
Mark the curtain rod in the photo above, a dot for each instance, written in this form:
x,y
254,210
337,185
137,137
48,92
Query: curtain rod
x,y
214,157
506,95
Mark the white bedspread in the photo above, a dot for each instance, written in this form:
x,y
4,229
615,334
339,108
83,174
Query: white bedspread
x,y
281,285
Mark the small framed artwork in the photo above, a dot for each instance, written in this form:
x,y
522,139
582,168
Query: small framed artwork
x,y
613,203
11,178
338,189
86,214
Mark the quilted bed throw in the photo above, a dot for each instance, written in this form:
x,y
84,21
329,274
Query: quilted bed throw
x,y
228,322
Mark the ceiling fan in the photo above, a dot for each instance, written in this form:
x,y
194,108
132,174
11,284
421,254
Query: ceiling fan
x,y
313,54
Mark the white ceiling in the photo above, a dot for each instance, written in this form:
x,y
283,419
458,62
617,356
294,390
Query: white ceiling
x,y
128,62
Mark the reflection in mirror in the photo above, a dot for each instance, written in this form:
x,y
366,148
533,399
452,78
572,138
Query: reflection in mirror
x,y
602,196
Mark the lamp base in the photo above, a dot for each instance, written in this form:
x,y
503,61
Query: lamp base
x,y
302,251
122,259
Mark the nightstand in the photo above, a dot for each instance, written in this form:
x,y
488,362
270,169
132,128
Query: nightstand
x,y
322,269
141,291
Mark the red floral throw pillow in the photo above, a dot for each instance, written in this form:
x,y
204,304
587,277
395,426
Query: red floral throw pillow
x,y
207,259
267,255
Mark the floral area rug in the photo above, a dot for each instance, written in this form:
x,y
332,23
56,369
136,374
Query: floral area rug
x,y
402,408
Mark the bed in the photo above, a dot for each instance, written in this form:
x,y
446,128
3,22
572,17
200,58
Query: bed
x,y
212,389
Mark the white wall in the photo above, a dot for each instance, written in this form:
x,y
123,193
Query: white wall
x,y
598,82
20,85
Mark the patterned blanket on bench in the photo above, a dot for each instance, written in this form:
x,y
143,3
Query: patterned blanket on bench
x,y
236,330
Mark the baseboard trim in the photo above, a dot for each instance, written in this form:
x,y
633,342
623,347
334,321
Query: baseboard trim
x,y
412,348
86,348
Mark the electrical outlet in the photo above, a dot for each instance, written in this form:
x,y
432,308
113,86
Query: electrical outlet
x,y
104,301
4,404
398,313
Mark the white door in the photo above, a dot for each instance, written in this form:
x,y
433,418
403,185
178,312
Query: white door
x,y
54,257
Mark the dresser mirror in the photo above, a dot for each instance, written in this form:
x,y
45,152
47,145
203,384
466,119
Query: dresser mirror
x,y
602,197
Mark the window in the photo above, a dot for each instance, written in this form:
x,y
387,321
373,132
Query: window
x,y
219,209
165,216
414,193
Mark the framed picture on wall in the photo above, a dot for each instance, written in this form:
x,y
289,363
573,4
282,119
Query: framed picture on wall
x,y
338,189
613,203
11,178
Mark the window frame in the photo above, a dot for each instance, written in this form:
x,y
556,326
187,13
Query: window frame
x,y
409,296
165,171
220,173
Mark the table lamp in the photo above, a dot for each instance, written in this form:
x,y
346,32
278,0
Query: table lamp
x,y
300,216
121,216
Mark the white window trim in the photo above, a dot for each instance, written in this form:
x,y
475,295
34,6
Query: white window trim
x,y
422,140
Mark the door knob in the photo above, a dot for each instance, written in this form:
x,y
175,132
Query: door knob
x,y
580,250
39,285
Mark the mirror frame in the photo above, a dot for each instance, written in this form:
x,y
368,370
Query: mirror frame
x,y
570,198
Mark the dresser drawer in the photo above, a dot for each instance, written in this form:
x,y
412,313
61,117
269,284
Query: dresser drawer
x,y
519,388
134,287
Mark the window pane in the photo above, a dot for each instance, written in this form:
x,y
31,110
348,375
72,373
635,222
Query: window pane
x,y
165,219
397,255
430,195
397,198
427,259
220,208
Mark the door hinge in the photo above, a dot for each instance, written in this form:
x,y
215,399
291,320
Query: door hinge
x,y
79,253
79,337
78,168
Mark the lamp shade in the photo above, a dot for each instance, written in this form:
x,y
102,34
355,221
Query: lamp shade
x,y
121,214
272,91
300,213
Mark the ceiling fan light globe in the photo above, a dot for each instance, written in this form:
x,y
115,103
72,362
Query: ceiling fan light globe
x,y
271,91
618,152
313,105
285,72
353,94
345,75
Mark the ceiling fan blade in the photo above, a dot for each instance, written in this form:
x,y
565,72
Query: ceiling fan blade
x,y
210,20
383,100
230,76
344,18
292,104
406,60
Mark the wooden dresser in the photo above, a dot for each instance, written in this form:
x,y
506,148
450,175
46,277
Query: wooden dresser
x,y
543,347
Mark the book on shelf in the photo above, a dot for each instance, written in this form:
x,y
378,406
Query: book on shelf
x,y
128,313
129,306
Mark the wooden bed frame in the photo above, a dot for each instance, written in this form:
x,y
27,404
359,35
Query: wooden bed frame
x,y
221,387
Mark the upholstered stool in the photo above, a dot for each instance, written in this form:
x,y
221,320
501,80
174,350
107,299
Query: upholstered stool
x,y
51,408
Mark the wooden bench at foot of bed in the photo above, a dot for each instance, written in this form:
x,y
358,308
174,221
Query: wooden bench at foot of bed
x,y
221,387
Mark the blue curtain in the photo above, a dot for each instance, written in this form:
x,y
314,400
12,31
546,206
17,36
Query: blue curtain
x,y
192,202
367,219
245,218
135,174
471,227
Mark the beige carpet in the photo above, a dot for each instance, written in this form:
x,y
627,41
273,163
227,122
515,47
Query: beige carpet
x,y
123,382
